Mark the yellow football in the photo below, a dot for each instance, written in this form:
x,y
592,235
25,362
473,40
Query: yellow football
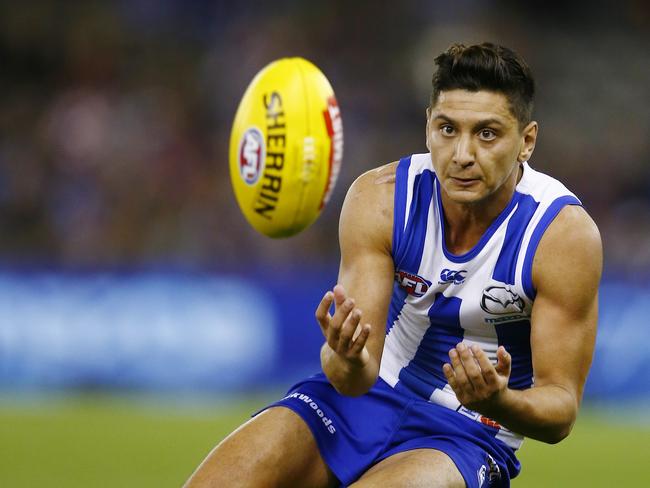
x,y
286,147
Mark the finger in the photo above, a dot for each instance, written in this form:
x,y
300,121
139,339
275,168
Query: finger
x,y
448,371
462,381
322,311
336,324
348,328
487,369
339,294
471,367
504,362
342,310
360,341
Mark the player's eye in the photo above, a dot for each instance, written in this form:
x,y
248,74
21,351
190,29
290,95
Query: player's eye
x,y
487,134
447,130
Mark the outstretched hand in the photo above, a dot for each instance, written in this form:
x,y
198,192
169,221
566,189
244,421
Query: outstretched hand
x,y
478,384
343,331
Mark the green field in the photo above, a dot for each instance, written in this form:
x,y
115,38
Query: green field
x,y
100,441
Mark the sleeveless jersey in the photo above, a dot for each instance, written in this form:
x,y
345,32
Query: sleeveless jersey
x,y
482,297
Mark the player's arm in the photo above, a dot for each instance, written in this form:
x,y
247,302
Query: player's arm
x,y
354,334
566,272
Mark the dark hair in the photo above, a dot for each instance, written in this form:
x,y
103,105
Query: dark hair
x,y
486,67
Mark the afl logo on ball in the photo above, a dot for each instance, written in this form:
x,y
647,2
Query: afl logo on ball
x,y
251,155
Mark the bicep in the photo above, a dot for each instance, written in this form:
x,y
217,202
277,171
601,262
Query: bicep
x,y
566,272
367,270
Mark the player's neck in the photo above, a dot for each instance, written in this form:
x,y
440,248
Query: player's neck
x,y
465,223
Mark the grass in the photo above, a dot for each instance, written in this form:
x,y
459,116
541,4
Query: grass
x,y
100,441
602,451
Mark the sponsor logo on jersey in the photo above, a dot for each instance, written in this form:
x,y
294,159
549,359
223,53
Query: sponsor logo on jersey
x,y
413,284
251,155
449,276
502,300
478,417
317,410
489,422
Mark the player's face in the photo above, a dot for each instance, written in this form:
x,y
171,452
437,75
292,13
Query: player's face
x,y
476,145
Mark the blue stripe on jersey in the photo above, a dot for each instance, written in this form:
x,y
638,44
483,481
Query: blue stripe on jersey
x,y
416,227
399,209
515,337
396,304
505,269
550,214
471,254
424,373
408,252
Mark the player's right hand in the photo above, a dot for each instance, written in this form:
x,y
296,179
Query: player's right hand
x,y
343,331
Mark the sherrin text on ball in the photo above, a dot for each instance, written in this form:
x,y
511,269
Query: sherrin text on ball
x,y
286,147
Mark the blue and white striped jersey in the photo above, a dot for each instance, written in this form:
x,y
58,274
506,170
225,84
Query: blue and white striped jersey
x,y
482,297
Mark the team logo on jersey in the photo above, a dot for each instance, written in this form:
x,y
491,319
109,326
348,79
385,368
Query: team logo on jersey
x,y
413,284
500,300
448,276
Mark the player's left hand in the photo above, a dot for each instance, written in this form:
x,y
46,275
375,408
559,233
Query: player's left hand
x,y
478,384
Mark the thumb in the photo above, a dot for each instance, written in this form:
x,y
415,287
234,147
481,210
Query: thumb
x,y
504,362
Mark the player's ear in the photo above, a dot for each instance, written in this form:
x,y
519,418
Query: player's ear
x,y
528,140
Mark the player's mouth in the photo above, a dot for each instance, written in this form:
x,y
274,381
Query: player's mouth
x,y
464,182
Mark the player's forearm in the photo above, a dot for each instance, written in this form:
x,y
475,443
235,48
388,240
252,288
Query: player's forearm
x,y
545,413
348,378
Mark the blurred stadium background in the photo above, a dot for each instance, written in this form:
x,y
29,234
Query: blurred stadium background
x,y
141,319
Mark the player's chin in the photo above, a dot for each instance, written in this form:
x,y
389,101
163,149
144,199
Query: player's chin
x,y
466,195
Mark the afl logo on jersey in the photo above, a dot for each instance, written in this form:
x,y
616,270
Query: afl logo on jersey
x,y
499,300
251,155
413,284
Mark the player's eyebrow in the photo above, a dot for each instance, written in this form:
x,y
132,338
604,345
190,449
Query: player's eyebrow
x,y
477,125
487,122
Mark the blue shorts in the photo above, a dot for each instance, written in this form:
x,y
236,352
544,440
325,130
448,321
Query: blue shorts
x,y
355,433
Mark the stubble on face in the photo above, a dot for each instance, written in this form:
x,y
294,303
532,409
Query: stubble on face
x,y
474,141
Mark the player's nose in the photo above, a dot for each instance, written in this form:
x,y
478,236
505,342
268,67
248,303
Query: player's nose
x,y
464,151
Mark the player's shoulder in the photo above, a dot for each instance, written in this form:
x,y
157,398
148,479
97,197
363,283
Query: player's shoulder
x,y
381,176
541,186
368,206
570,228
572,225
382,179
375,187
570,251
573,228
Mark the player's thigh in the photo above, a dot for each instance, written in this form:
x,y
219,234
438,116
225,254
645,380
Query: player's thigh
x,y
273,449
413,469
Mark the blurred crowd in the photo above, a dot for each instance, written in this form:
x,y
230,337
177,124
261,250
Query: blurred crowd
x,y
115,117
